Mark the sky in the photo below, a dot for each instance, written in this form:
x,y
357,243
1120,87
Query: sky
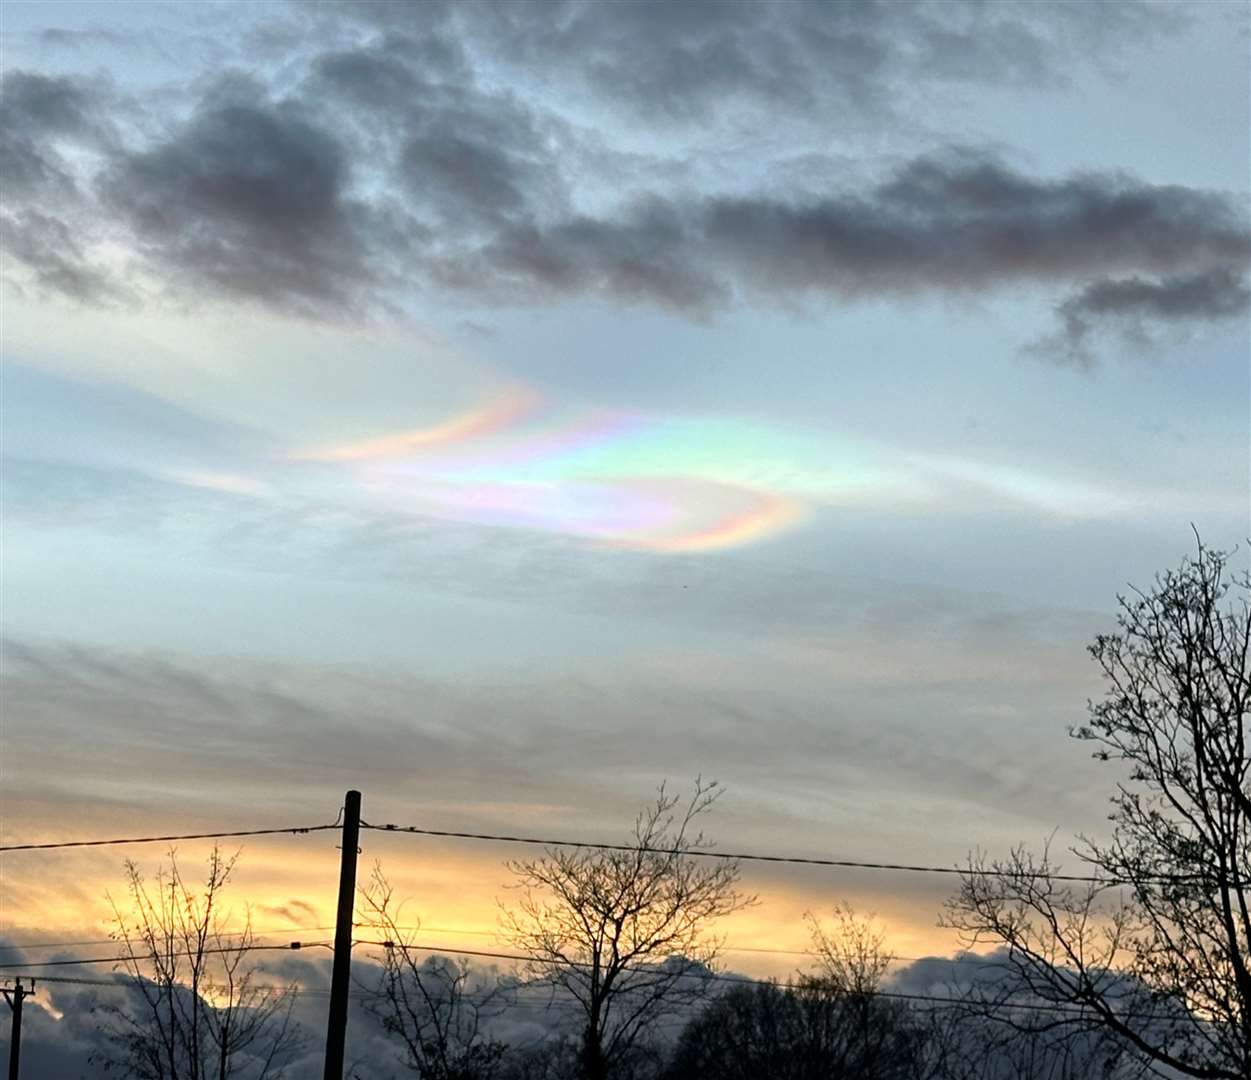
x,y
502,408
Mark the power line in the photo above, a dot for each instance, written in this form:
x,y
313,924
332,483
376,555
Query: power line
x,y
704,853
139,957
125,982
23,946
725,947
294,830
736,856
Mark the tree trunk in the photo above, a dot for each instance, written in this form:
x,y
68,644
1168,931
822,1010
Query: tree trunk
x,y
594,1066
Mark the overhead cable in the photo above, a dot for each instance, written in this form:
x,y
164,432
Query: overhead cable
x,y
294,830
139,957
733,856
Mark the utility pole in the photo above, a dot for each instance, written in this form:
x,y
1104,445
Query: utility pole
x,y
15,996
340,975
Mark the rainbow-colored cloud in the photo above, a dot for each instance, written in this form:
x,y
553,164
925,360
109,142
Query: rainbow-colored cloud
x,y
666,483
623,479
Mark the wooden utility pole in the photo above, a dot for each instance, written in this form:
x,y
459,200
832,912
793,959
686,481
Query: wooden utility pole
x,y
341,973
15,996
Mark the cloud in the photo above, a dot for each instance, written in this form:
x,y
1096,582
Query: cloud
x,y
49,249
60,1031
1132,305
109,427
820,720
55,105
466,156
80,38
949,224
65,1024
691,63
427,159
65,1032
247,198
996,1041
40,111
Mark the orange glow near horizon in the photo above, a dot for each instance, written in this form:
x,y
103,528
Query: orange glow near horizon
x,y
289,891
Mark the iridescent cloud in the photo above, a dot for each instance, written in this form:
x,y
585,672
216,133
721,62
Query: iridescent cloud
x,y
480,422
771,514
663,483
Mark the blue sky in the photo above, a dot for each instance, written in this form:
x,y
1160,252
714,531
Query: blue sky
x,y
559,398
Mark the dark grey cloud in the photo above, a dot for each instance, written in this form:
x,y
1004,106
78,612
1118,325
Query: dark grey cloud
x,y
54,104
49,249
59,1044
987,1040
405,161
394,69
654,254
1132,306
46,122
472,170
687,62
64,1033
39,111
950,224
248,198
464,156
64,1025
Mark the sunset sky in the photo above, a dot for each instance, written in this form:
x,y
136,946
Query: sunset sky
x,y
501,408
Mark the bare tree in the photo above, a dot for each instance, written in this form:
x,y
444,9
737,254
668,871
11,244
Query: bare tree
x,y
831,1023
428,1002
627,933
877,1037
196,1011
966,1045
981,1033
852,957
1156,951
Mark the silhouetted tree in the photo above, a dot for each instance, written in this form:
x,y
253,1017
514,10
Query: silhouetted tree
x,y
430,1003
196,1011
757,1030
626,934
1160,956
552,1059
880,1037
966,1045
851,956
832,1025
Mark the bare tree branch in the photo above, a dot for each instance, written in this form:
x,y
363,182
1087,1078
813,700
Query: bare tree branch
x,y
1162,960
627,934
194,1012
